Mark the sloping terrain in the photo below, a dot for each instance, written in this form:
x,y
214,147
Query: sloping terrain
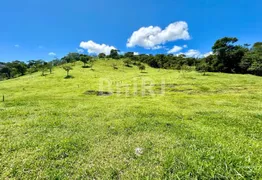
x,y
127,124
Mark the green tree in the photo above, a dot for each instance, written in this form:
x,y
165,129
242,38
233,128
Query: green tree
x,y
67,69
127,62
252,60
71,57
44,67
142,67
129,55
114,54
101,55
85,59
228,54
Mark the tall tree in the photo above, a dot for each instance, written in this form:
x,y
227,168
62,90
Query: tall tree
x,y
228,54
85,59
114,54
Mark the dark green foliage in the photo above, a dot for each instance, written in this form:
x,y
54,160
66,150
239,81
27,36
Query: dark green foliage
x,y
129,55
166,61
85,59
142,67
13,69
228,54
203,67
101,55
232,58
127,62
71,58
34,65
114,54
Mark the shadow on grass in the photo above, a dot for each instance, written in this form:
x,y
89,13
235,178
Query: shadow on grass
x,y
143,72
69,77
98,93
86,66
128,65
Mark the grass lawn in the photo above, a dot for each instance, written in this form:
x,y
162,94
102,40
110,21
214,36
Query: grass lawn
x,y
193,127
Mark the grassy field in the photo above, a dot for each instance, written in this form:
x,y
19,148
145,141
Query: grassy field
x,y
160,124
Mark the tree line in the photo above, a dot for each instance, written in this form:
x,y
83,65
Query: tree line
x,y
227,57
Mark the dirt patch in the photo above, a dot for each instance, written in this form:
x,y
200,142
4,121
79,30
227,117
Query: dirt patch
x,y
98,93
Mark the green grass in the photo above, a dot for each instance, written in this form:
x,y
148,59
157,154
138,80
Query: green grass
x,y
202,127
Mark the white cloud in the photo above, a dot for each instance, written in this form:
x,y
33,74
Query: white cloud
x,y
185,46
175,49
94,48
208,54
52,54
17,45
193,53
153,36
136,53
157,47
80,50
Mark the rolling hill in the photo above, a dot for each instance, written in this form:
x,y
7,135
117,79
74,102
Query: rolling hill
x,y
127,124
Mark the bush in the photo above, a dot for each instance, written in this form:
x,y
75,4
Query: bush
x,y
142,67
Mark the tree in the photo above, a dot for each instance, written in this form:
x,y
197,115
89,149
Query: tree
x,y
114,54
20,66
252,60
13,69
202,67
34,65
71,57
7,71
67,69
44,67
228,54
85,59
101,55
129,55
257,48
142,67
50,66
127,62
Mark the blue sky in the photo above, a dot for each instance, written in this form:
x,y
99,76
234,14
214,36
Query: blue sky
x,y
33,29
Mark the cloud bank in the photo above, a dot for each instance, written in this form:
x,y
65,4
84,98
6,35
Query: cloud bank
x,y
153,36
195,53
175,49
94,48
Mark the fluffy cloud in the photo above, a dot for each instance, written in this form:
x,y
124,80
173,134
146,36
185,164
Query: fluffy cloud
x,y
152,36
94,48
136,53
175,49
52,54
195,53
185,46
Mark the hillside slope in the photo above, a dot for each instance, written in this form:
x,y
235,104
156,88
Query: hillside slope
x,y
112,124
